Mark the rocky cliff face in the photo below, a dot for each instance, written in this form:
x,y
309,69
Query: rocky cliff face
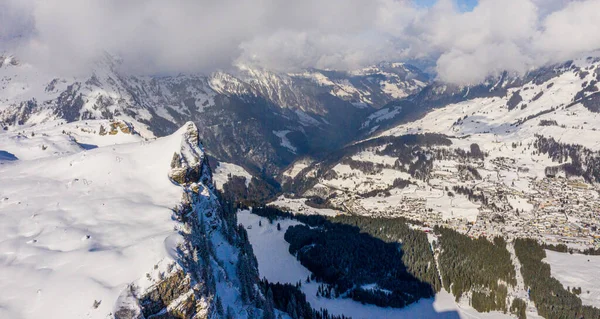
x,y
216,274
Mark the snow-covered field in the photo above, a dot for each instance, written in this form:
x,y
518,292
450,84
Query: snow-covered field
x,y
277,265
77,226
285,142
296,167
298,205
576,270
224,170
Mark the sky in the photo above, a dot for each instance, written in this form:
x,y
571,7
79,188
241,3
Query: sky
x,y
464,41
462,5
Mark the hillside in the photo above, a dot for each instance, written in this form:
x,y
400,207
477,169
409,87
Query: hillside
x,y
517,158
521,163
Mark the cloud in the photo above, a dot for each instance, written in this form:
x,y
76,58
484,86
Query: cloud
x,y
575,28
155,36
15,21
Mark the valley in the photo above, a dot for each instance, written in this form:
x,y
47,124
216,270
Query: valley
x,y
337,159
477,167
484,171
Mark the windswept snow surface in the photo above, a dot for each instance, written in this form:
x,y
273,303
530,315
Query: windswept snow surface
x,y
79,226
577,270
277,265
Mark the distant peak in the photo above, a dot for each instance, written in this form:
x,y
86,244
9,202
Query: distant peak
x,y
189,130
8,60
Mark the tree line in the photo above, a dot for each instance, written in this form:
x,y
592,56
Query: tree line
x,y
346,259
478,265
551,299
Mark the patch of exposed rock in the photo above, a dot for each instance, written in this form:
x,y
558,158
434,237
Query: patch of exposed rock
x,y
116,126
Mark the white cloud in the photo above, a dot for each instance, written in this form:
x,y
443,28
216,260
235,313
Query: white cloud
x,y
15,21
575,28
155,36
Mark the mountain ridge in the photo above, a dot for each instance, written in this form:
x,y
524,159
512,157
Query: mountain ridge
x,y
237,112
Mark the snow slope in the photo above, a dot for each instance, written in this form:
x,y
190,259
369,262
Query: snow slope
x,y
225,170
273,256
576,270
78,227
493,120
285,142
56,138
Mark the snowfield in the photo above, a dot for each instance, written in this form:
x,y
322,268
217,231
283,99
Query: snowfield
x,y
285,142
576,270
297,205
77,226
223,172
56,138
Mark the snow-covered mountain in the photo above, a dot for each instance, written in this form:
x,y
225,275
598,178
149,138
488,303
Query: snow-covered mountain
x,y
115,226
515,156
520,158
440,94
250,116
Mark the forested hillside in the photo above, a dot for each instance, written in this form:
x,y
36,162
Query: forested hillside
x,y
552,300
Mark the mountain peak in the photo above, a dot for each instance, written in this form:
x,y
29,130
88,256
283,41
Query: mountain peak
x,y
186,165
8,60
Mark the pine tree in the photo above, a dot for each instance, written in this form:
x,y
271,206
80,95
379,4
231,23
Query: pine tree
x,y
219,307
269,309
229,314
243,273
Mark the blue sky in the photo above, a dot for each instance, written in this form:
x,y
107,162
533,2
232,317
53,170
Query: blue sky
x,y
464,5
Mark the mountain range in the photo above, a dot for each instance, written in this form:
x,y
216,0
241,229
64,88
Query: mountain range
x,y
251,116
149,172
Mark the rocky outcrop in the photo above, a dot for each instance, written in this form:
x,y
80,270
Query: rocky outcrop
x,y
174,297
116,126
190,291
